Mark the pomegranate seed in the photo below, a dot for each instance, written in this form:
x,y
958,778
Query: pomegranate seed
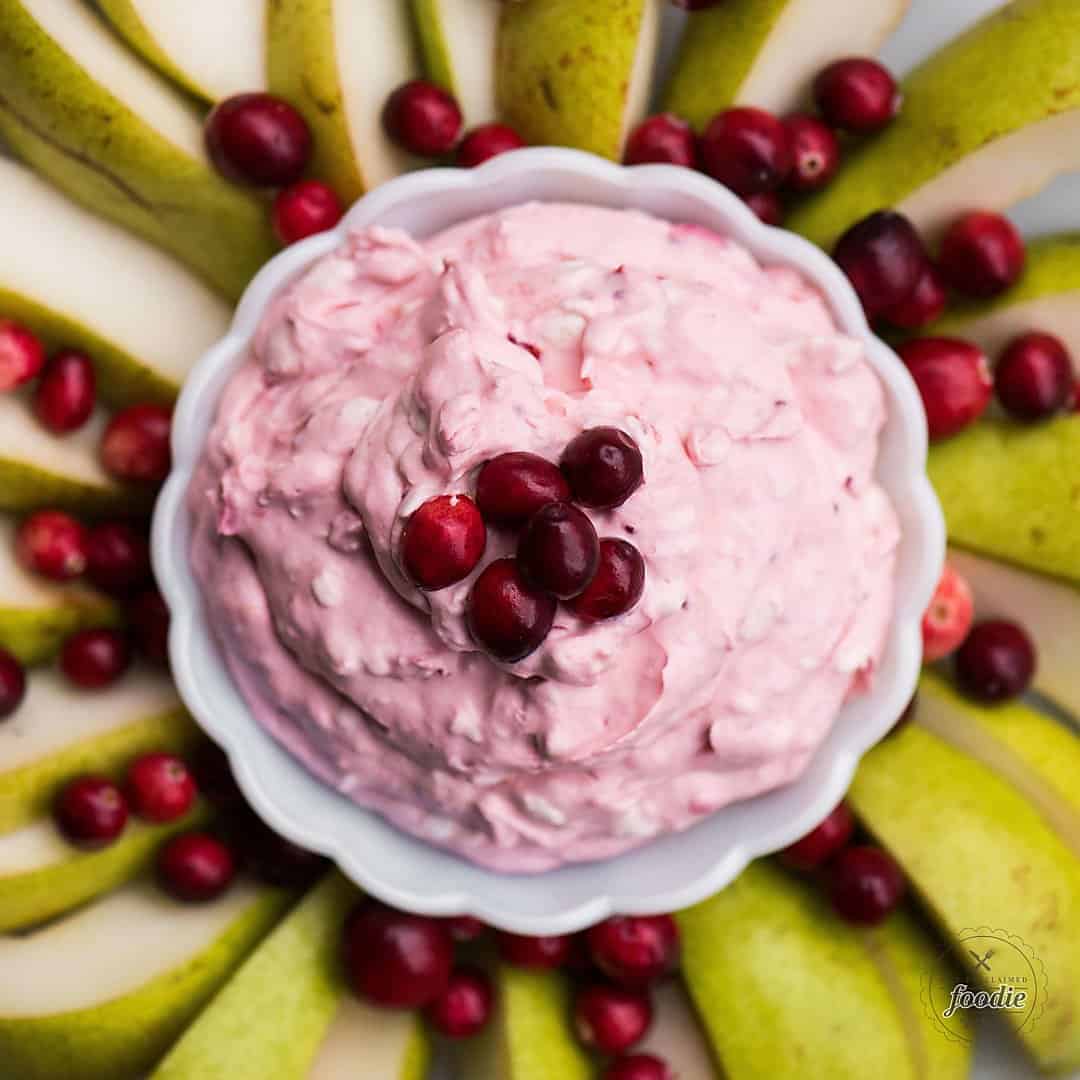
x,y
611,1019
423,119
747,150
604,467
768,206
135,445
397,960
160,787
815,152
65,394
996,662
22,355
149,617
93,659
91,812
464,928
865,885
485,142
662,140
511,488
635,950
559,550
305,209
443,541
258,139
823,842
948,618
638,1067
1034,377
195,867
117,556
858,95
982,255
12,684
953,378
464,1008
883,258
537,953
925,303
617,585
52,544
506,616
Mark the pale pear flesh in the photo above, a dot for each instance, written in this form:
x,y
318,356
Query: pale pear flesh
x,y
675,1035
366,1043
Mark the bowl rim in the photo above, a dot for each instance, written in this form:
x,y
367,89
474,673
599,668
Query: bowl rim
x,y
405,871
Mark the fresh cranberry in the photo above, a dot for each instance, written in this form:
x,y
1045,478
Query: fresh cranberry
x,y
954,381
925,303
883,258
485,142
617,585
22,355
195,867
865,885
662,140
65,393
423,119
823,842
858,95
12,684
815,152
135,445
93,659
767,206
52,544
149,617
604,467
397,960
638,1067
510,488
269,856
996,662
948,618
747,150
91,812
611,1019
982,255
537,953
464,928
117,556
215,780
258,139
506,615
1034,377
559,550
304,209
464,1008
443,541
634,950
160,787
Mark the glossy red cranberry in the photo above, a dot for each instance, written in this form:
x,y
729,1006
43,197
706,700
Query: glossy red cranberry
x,y
858,95
117,556
149,617
304,209
258,139
423,119
464,928
397,960
982,255
611,1019
638,1067
22,355
443,541
865,885
12,684
948,617
925,303
160,787
93,659
822,843
617,585
1034,377
52,544
508,617
662,140
464,1008
485,142
768,206
634,950
747,150
996,662
815,152
195,867
510,488
215,780
883,258
559,550
91,812
954,381
135,446
604,467
537,953
65,393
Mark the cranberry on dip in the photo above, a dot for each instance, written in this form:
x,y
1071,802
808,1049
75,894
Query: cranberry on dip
x,y
550,534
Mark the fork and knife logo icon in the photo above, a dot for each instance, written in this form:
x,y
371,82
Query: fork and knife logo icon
x,y
981,961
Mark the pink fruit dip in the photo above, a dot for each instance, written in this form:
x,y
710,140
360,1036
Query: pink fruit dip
x,y
392,370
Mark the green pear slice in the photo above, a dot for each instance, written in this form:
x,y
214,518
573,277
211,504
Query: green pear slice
x,y
980,854
142,317
573,74
676,1035
364,1043
105,991
337,62
1010,492
784,988
108,131
213,50
767,52
993,116
59,732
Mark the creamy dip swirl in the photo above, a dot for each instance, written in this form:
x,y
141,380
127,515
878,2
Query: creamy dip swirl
x,y
392,370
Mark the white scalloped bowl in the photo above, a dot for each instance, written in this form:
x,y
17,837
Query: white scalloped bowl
x,y
667,873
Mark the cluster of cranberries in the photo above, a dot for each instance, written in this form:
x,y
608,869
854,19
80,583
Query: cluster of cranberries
x,y
512,603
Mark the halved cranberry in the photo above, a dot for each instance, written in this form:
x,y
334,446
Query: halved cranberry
x,y
423,118
93,659
611,1019
926,302
443,541
22,355
638,1067
195,867
543,953
1034,377
135,445
865,885
65,394
982,255
304,209
510,488
747,150
117,556
857,95
464,1008
91,812
662,140
948,617
464,928
635,950
12,684
52,544
996,662
604,467
485,142
767,206
815,152
507,616
883,258
559,550
954,381
149,617
258,139
160,787
617,585
823,842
